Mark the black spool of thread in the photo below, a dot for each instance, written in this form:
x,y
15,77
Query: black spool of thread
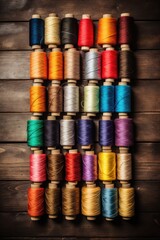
x,y
126,64
51,133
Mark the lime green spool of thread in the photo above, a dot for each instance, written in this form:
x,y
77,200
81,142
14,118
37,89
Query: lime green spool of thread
x,y
91,99
35,133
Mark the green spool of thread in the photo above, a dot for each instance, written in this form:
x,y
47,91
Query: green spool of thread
x,y
91,99
35,133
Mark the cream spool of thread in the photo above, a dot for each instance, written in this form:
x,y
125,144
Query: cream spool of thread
x,y
105,46
34,47
68,46
85,16
88,146
52,30
106,116
90,201
124,165
91,107
71,98
35,185
109,185
63,142
55,83
37,82
89,153
53,185
72,64
126,201
35,118
71,186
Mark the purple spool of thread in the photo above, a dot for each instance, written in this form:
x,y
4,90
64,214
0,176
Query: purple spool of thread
x,y
123,132
89,163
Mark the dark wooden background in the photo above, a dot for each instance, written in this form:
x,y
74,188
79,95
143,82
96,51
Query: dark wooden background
x,y
14,112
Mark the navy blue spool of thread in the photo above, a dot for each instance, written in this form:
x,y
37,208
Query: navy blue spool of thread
x,y
107,98
122,98
51,133
36,31
85,132
106,132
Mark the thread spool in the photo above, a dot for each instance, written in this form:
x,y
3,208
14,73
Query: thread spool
x,y
90,201
107,31
52,30
106,131
52,200
86,33
56,64
125,27
55,98
35,202
126,201
92,65
122,98
124,165
107,166
37,100
73,166
51,132
109,202
70,201
35,133
67,132
85,132
71,98
91,92
55,166
69,31
38,166
72,64
107,97
89,163
36,31
110,64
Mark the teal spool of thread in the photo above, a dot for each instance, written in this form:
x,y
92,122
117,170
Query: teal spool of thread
x,y
107,98
91,99
109,203
35,133
122,98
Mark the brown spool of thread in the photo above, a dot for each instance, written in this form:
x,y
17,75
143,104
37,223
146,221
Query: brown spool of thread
x,y
70,201
52,200
72,64
55,166
55,98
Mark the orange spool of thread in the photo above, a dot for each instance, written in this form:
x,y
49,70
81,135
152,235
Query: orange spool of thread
x,y
37,99
107,31
38,65
56,65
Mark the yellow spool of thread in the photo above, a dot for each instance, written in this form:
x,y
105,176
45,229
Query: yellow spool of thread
x,y
107,166
126,202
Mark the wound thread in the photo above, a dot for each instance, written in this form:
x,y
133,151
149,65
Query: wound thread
x,y
126,202
123,132
73,167
109,64
56,65
72,64
55,167
51,133
67,132
52,201
36,202
126,30
107,166
35,133
52,30
71,98
91,93
106,132
126,64
38,65
38,167
107,98
38,99
36,32
69,31
92,65
85,132
122,98
86,33
89,164
55,99
124,166
109,203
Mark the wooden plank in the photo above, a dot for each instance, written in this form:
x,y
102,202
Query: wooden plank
x,y
146,225
75,238
18,64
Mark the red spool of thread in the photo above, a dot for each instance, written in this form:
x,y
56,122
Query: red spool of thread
x,y
73,166
125,29
38,167
110,64
86,33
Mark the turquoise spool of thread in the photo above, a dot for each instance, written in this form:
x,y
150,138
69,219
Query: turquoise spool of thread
x,y
35,133
122,98
107,98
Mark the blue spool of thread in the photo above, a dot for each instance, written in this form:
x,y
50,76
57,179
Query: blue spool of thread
x,y
85,132
106,132
36,31
122,98
109,203
107,98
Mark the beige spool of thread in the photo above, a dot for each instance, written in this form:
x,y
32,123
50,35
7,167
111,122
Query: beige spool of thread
x,y
124,167
52,30
72,64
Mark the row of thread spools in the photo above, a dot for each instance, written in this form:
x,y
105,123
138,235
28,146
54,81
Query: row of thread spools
x,y
90,203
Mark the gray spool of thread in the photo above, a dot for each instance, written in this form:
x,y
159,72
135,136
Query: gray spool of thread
x,y
71,98
92,65
67,132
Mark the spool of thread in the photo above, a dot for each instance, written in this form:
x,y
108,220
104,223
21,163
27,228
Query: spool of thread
x,y
67,132
35,202
107,166
73,166
126,201
36,31
124,167
55,98
92,65
35,133
89,164
38,166
110,64
71,64
109,202
91,92
37,100
107,97
85,132
122,98
86,33
53,200
56,65
70,201
90,201
125,29
123,132
38,64
106,131
107,31
71,99
51,132
69,31
126,63
52,30
55,165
